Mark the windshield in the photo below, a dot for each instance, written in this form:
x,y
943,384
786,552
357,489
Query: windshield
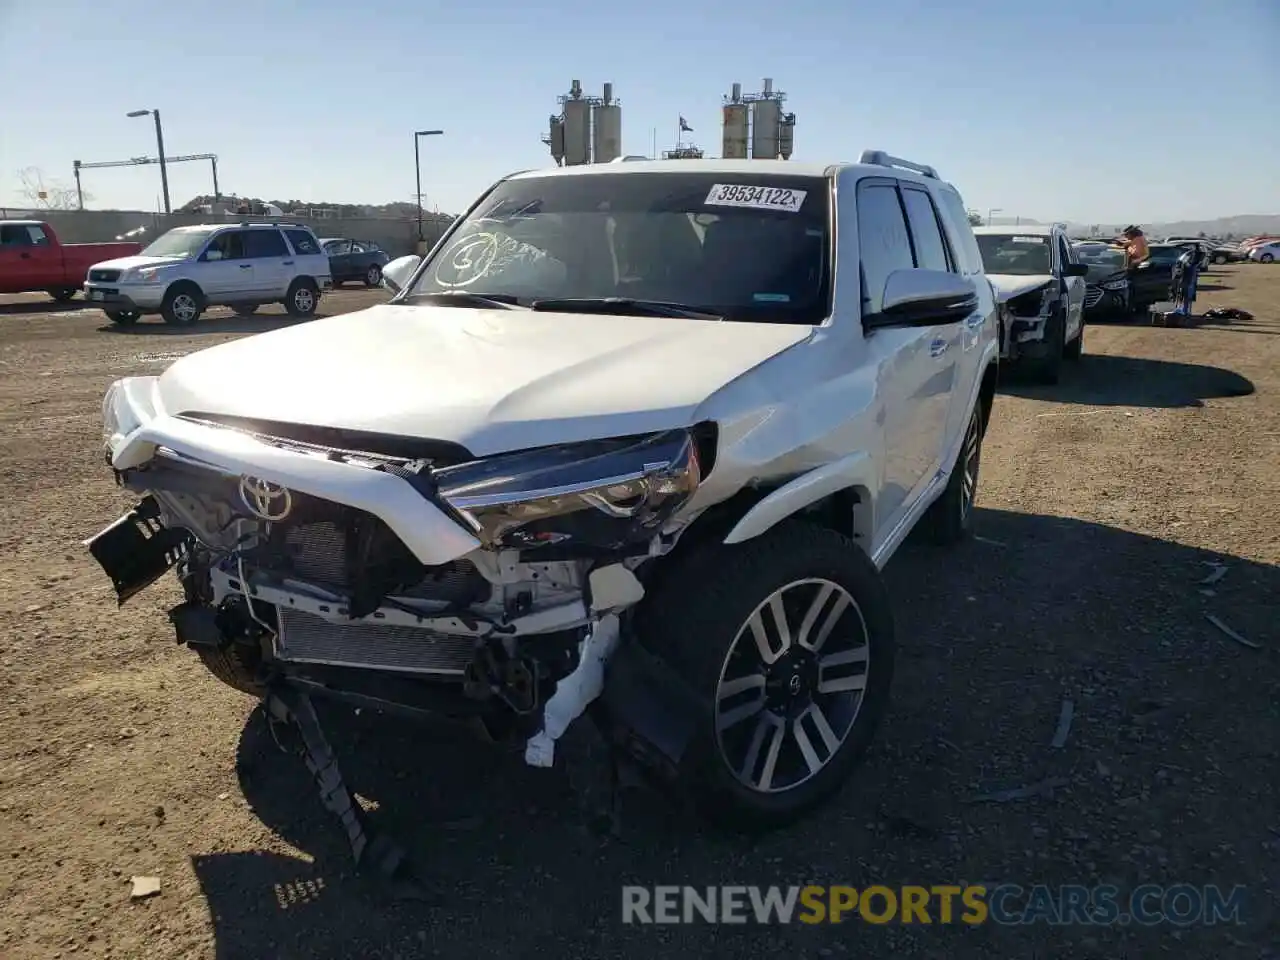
x,y
1015,255
1101,259
742,246
178,243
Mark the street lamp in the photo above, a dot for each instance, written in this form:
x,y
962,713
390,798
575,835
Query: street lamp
x,y
991,211
164,173
417,166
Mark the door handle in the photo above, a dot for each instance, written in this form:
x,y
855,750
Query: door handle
x,y
938,348
286,263
246,266
975,322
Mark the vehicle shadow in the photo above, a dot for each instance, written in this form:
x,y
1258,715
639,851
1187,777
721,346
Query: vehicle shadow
x,y
1107,380
1036,609
205,327
29,307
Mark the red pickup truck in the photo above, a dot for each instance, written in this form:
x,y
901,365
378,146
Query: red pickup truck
x,y
32,258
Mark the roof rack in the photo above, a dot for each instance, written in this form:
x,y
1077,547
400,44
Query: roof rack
x,y
881,159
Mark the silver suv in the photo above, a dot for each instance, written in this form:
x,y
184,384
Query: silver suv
x,y
188,269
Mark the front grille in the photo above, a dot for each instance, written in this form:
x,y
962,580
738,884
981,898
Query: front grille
x,y
305,638
104,276
1092,295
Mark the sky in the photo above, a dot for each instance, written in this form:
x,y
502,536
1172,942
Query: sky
x,y
1091,111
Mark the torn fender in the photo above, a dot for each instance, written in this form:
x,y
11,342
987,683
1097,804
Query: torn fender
x,y
1008,286
852,471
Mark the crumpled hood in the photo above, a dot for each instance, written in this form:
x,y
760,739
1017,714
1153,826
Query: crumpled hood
x,y
1007,286
130,263
491,380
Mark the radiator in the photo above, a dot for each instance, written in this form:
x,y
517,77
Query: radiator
x,y
306,638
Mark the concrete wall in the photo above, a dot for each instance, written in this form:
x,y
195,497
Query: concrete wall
x,y
397,237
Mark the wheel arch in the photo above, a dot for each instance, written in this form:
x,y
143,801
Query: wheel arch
x,y
835,495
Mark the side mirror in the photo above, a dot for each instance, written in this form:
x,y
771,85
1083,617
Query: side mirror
x,y
397,273
211,255
922,298
1075,270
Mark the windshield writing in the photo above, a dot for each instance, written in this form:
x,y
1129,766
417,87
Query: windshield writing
x,y
742,247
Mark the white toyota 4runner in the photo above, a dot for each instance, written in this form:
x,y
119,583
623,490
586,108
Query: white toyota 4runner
x,y
242,266
633,439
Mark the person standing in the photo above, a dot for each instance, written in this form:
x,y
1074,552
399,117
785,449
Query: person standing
x,y
1186,276
1136,249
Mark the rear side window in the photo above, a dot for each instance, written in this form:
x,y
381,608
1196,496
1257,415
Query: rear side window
x,y
302,242
956,218
264,243
931,249
883,241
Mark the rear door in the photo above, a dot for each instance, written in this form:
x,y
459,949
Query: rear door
x,y
340,266
1152,277
267,250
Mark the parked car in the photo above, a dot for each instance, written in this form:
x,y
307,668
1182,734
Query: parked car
x,y
1265,252
661,418
1107,282
358,260
1041,290
33,258
1149,281
189,269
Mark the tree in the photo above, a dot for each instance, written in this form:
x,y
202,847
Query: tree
x,y
48,195
975,218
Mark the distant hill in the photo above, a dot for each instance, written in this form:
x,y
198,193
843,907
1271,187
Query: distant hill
x,y
1244,225
400,210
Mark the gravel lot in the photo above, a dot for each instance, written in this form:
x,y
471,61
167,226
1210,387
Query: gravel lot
x,y
1103,502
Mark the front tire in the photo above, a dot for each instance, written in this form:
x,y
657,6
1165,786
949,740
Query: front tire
x,y
63,294
1266,258
123,318
1048,369
949,519
182,305
303,298
1075,349
234,665
788,716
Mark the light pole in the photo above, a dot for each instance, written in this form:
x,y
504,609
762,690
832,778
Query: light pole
x,y
991,211
164,172
417,167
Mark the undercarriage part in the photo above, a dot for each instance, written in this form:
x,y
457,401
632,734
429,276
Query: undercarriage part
x,y
306,638
574,692
289,705
138,549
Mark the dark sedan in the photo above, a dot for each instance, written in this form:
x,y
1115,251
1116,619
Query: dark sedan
x,y
355,261
1113,291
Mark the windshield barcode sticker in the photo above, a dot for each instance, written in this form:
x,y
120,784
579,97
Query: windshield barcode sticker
x,y
757,198
1029,239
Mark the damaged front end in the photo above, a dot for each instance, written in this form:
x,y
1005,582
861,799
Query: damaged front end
x,y
392,572
1025,316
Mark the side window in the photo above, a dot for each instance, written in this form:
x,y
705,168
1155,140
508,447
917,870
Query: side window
x,y
883,242
14,235
931,249
260,244
963,243
38,237
358,247
302,242
338,248
230,245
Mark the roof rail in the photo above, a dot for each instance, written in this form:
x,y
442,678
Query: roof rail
x,y
881,159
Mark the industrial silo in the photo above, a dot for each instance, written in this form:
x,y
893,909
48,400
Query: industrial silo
x,y
765,117
733,144
787,136
555,139
606,127
577,128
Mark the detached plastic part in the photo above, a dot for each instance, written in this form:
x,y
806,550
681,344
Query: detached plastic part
x,y
574,692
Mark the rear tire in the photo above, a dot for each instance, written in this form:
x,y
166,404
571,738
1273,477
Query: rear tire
x,y
236,666
182,305
949,519
303,298
1266,258
701,626
64,294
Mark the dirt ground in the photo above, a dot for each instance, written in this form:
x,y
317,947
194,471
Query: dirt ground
x,y
1103,502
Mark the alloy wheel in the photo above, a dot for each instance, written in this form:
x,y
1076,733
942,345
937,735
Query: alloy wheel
x,y
791,685
304,300
970,462
185,308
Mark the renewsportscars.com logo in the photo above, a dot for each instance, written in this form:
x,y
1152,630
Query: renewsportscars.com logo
x,y
973,904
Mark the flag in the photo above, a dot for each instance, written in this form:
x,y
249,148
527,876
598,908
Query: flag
x,y
684,126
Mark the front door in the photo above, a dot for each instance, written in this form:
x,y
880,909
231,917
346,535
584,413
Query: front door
x,y
915,366
223,271
1073,289
28,260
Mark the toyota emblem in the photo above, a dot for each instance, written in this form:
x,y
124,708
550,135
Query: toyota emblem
x,y
264,499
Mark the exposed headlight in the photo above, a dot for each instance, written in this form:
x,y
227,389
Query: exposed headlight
x,y
1115,284
602,495
120,407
